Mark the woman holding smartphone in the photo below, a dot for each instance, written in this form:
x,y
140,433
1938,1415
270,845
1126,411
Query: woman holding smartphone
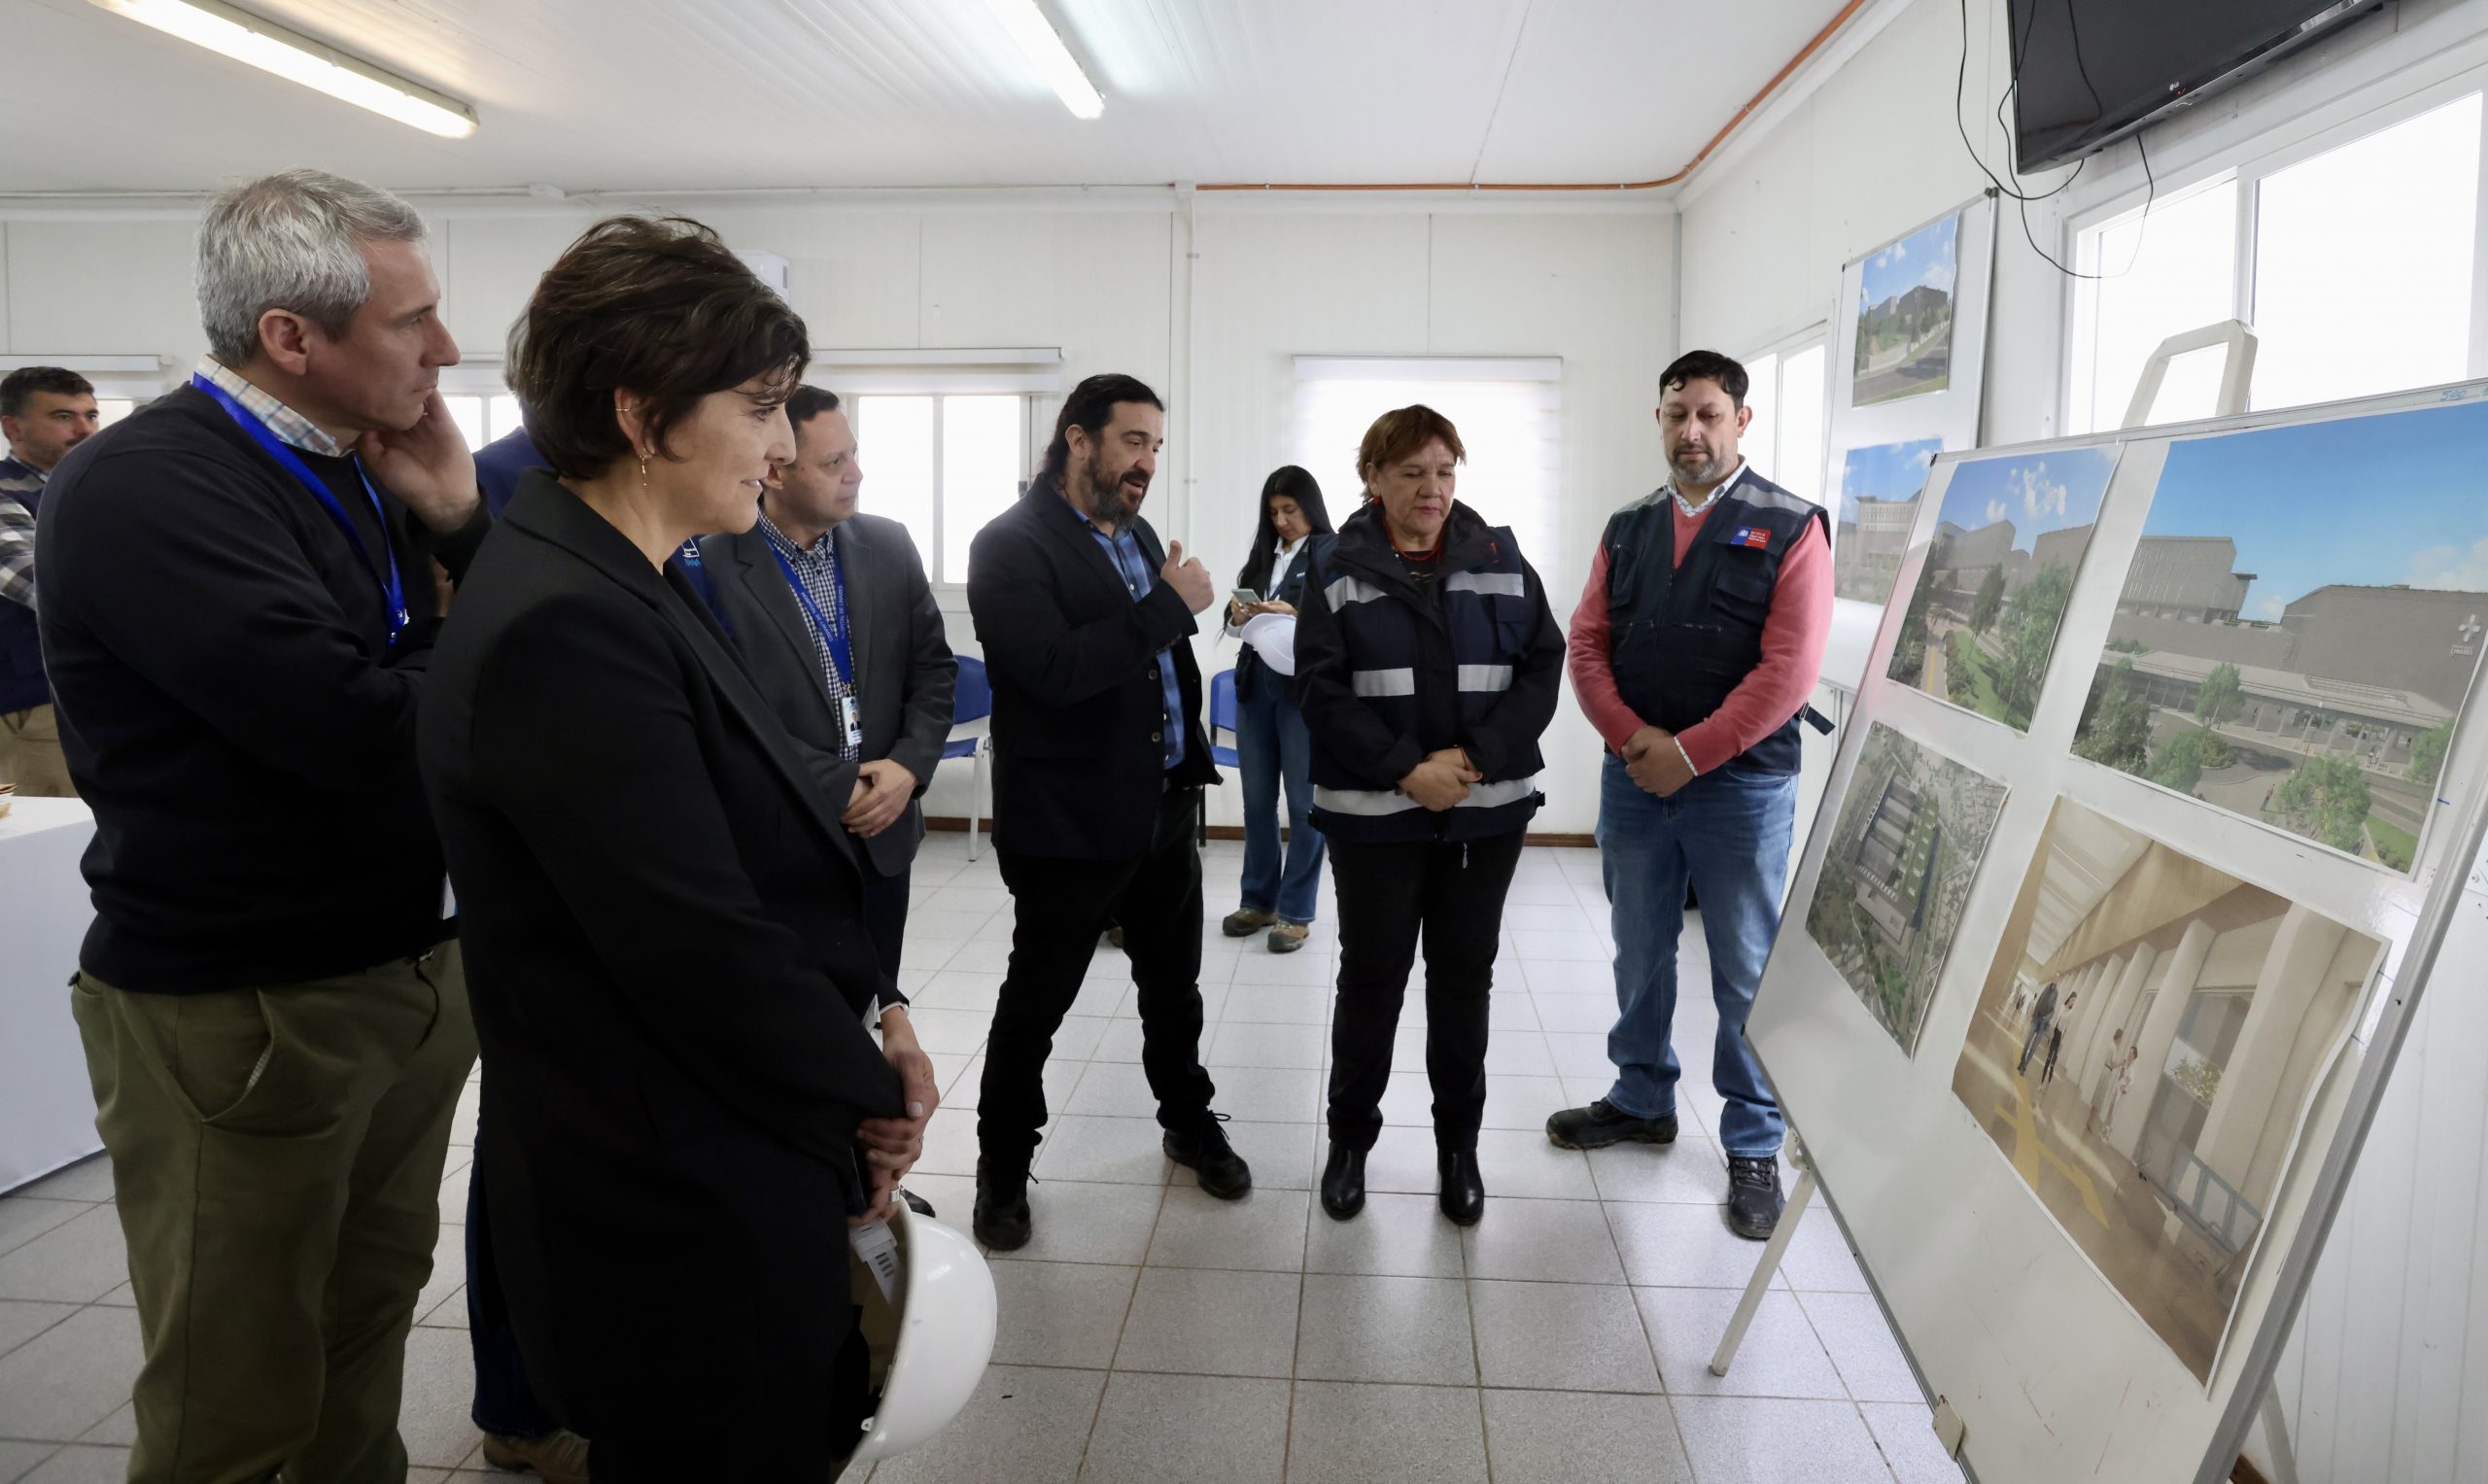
x,y
1271,739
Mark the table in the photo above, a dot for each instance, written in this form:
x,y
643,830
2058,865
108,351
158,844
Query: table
x,y
47,1107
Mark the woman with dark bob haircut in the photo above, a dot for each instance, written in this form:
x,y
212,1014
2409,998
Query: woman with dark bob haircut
x,y
664,934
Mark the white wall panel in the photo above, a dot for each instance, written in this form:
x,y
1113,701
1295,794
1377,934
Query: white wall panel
x,y
75,289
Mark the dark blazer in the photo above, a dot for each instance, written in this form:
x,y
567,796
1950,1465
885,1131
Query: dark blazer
x,y
666,954
1078,764
904,672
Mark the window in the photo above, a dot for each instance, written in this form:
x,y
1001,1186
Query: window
x,y
483,417
2363,262
942,465
1784,442
2157,276
1508,411
2351,257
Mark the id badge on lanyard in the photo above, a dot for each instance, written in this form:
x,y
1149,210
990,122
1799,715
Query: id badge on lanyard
x,y
392,592
833,636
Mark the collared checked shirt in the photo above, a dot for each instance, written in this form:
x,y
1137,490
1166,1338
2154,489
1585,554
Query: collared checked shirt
x,y
1131,564
816,567
283,421
20,487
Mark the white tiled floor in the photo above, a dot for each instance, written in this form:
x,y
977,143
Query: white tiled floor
x,y
1150,1333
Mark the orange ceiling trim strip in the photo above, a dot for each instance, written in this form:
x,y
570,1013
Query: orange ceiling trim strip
x,y
1821,37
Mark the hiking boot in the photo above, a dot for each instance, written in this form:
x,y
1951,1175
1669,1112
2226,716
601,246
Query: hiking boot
x,y
1001,1220
1753,1196
1203,1148
1602,1124
1287,937
1244,922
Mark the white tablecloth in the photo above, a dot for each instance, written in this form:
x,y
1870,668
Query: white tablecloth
x,y
47,1108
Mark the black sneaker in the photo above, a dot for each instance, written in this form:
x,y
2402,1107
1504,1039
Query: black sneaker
x,y
1002,1220
1753,1196
1602,1124
1203,1148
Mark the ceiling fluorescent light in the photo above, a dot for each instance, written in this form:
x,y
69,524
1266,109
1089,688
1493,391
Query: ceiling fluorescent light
x,y
1044,49
289,54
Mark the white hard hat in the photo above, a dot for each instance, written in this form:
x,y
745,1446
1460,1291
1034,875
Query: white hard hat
x,y
930,1350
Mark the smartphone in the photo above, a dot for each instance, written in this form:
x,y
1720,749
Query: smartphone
x,y
1246,596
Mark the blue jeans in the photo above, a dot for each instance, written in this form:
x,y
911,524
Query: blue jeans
x,y
1728,832
1274,747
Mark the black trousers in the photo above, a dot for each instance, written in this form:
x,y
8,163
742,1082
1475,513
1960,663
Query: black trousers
x,y
1059,908
885,909
1452,894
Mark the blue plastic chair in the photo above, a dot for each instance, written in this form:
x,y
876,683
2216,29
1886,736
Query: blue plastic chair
x,y
971,703
1221,718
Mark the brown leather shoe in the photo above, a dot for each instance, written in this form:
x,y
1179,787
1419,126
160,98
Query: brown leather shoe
x,y
1287,937
558,1457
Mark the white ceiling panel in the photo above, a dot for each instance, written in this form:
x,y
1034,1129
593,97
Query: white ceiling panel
x,y
741,95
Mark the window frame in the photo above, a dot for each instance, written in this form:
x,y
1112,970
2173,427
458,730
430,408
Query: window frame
x,y
939,389
1817,336
2248,165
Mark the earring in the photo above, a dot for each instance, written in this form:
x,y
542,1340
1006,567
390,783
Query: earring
x,y
643,471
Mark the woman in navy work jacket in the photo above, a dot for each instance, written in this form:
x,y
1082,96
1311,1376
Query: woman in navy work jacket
x,y
1271,739
1425,662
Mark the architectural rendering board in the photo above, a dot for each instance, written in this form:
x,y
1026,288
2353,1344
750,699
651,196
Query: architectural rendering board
x,y
2283,653
1877,506
1983,618
1904,309
2146,1045
1902,857
2099,1262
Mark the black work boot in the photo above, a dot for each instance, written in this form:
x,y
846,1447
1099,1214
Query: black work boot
x,y
1203,1148
1463,1195
1344,1181
1753,1196
1002,1220
1602,1124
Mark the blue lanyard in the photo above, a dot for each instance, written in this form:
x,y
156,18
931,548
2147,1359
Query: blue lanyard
x,y
391,589
832,634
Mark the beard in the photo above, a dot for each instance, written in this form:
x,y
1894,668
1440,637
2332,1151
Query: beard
x,y
1118,498
1713,466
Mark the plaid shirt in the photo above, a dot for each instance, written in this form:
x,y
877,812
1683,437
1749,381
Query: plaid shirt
x,y
283,421
818,569
21,485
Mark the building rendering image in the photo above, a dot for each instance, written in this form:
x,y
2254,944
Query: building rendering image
x,y
1902,859
1984,617
2143,1051
2290,667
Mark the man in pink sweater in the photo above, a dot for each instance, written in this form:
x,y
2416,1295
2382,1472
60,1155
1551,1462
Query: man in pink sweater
x,y
1695,647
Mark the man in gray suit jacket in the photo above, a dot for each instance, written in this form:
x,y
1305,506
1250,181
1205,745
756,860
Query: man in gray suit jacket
x,y
836,621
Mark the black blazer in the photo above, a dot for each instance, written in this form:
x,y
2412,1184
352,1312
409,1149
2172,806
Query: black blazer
x,y
666,954
904,673
1078,708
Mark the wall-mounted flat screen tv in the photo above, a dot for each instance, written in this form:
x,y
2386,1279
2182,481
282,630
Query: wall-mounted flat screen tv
x,y
2091,72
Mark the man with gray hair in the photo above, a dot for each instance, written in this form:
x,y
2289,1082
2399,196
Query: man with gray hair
x,y
238,610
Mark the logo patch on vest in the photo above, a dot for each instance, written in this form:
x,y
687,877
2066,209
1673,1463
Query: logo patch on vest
x,y
1754,536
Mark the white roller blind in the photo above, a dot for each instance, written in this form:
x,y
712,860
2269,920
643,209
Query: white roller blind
x,y
1508,411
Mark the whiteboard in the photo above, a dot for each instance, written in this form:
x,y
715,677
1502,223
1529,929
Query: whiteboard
x,y
2055,1375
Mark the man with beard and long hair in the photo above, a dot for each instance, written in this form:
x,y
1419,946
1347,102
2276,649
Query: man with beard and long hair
x,y
1695,647
1099,759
